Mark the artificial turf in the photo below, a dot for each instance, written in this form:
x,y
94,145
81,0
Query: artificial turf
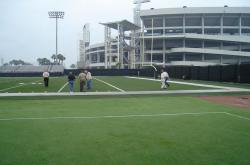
x,y
188,139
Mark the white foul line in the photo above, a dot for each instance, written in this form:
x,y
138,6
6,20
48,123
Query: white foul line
x,y
119,89
238,116
62,87
126,116
18,86
112,116
188,83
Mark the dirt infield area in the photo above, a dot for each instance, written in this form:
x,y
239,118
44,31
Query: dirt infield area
x,y
238,101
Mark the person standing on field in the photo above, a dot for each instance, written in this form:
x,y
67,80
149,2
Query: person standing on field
x,y
164,79
82,80
71,79
46,78
89,80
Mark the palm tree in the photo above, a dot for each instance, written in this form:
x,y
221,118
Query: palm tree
x,y
54,58
39,60
61,58
43,61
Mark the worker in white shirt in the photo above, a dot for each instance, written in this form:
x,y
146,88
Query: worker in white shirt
x,y
164,79
46,78
89,79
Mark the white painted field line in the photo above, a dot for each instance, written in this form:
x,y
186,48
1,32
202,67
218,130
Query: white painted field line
x,y
119,89
238,116
187,83
2,90
17,86
115,116
62,87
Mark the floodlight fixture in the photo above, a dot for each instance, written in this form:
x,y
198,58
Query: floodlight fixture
x,y
141,1
56,14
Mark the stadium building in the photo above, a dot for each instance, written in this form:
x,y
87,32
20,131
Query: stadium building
x,y
177,36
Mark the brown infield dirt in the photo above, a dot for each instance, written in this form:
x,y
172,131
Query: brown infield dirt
x,y
237,101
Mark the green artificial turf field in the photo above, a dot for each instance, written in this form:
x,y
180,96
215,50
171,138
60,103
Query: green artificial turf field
x,y
35,84
35,131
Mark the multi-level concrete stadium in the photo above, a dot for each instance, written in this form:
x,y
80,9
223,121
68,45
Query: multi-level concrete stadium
x,y
175,36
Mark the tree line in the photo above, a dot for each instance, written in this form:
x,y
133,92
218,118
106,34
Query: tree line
x,y
56,60
16,63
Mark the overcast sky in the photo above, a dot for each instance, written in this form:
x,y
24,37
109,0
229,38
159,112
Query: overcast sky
x,y
27,33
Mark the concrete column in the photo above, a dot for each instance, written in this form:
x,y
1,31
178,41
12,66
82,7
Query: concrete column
x,y
118,43
98,58
184,57
164,25
239,60
164,41
240,25
106,47
221,45
203,25
203,47
221,59
221,24
143,45
184,23
164,51
203,57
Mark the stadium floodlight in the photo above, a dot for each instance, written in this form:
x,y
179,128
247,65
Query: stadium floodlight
x,y
137,9
57,15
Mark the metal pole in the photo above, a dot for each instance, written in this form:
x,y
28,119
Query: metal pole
x,y
152,43
118,43
56,34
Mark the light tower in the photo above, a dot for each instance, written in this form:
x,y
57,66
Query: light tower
x,y
136,34
137,10
57,15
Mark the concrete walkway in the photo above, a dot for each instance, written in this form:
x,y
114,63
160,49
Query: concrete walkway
x,y
124,93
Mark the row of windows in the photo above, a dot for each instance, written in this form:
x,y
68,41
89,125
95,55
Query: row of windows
x,y
191,43
93,58
196,57
196,21
209,31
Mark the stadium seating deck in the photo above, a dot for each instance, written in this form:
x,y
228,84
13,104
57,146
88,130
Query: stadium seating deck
x,y
31,68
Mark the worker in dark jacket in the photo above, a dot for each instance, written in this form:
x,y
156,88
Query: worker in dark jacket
x,y
71,79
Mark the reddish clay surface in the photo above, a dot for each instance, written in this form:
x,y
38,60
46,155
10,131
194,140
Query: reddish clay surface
x,y
238,101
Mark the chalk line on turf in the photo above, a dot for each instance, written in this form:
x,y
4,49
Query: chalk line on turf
x,y
114,116
187,83
127,116
17,86
237,116
62,87
119,89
